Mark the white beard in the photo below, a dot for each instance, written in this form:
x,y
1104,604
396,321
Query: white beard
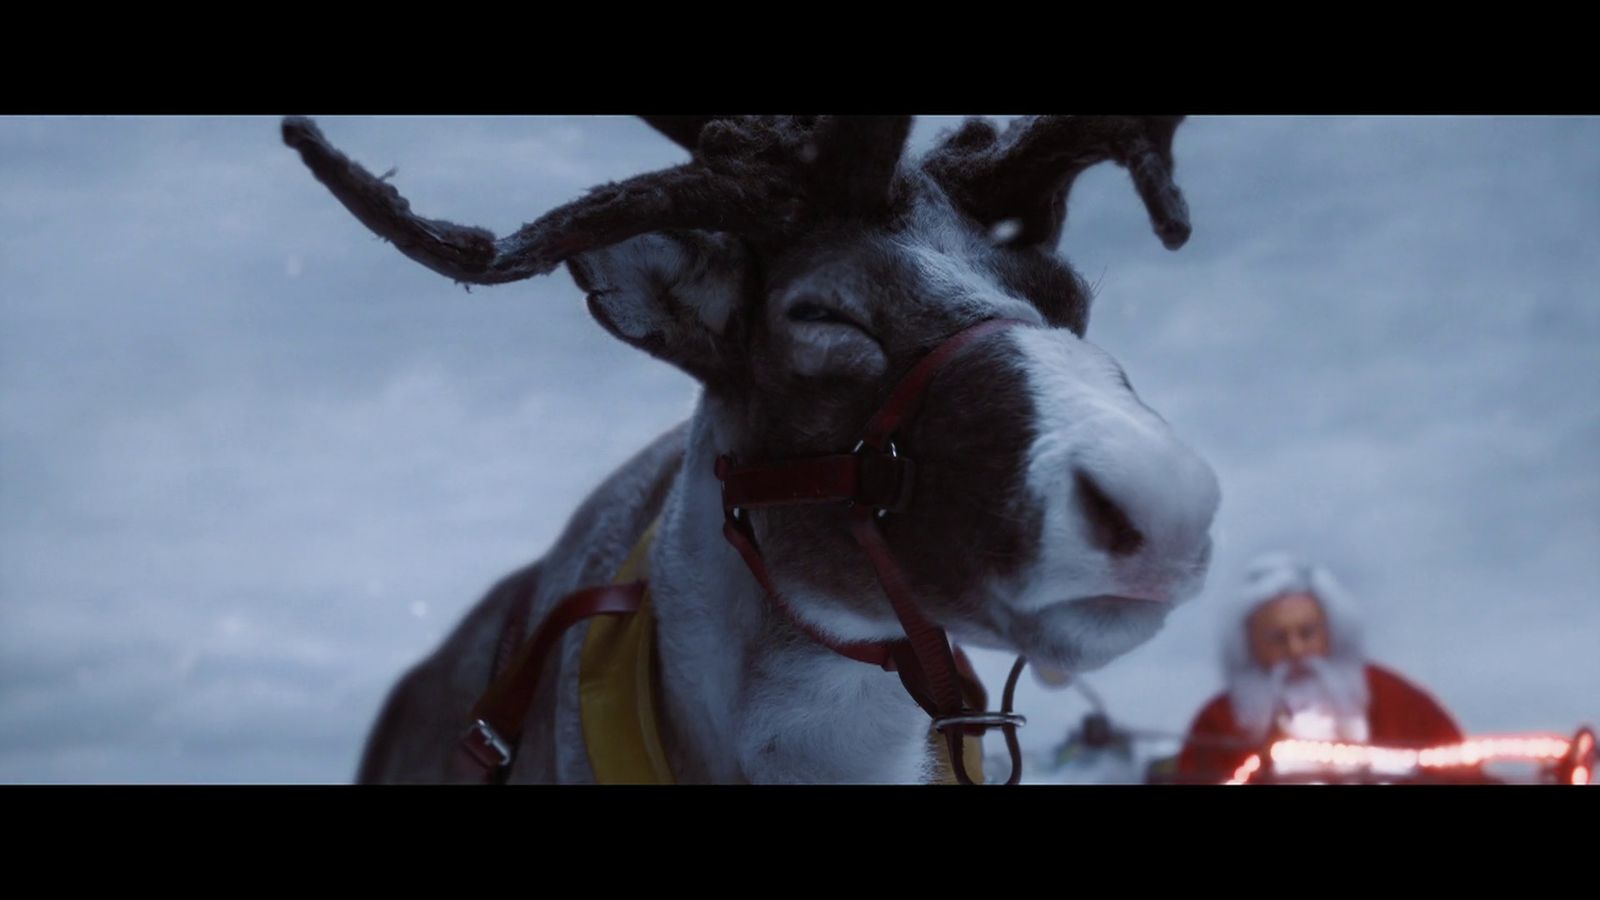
x,y
1316,699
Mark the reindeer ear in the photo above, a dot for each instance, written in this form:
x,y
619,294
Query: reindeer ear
x,y
675,295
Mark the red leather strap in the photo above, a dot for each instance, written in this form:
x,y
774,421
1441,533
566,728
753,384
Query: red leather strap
x,y
923,633
907,395
928,641
743,539
877,480
870,483
933,671
500,712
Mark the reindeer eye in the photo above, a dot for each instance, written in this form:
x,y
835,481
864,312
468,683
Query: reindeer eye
x,y
816,312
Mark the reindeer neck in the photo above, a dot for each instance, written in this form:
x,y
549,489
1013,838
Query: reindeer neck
x,y
745,696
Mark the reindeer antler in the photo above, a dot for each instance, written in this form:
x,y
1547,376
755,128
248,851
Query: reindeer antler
x,y
683,130
1026,173
755,176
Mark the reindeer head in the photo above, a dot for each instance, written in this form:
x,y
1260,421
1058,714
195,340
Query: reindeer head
x,y
797,267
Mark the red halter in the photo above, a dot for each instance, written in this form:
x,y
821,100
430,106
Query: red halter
x,y
874,480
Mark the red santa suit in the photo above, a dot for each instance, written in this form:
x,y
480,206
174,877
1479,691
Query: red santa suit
x,y
1398,714
1352,701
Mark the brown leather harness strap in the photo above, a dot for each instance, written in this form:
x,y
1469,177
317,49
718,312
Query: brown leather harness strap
x,y
498,717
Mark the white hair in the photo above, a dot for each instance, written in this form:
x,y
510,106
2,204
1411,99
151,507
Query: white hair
x,y
1255,690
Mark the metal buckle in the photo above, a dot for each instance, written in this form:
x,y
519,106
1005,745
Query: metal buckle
x,y
863,442
486,746
986,719
894,453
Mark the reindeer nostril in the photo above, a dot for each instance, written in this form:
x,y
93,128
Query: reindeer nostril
x,y
1109,528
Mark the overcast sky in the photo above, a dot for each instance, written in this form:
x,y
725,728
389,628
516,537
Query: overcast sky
x,y
254,463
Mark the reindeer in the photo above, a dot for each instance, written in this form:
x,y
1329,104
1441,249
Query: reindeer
x,y
902,439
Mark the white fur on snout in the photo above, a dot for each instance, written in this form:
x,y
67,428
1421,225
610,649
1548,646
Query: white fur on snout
x,y
1090,423
628,280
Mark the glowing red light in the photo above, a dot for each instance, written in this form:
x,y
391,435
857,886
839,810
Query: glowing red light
x,y
1290,754
1245,770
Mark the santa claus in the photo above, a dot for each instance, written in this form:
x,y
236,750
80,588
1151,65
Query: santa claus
x,y
1294,668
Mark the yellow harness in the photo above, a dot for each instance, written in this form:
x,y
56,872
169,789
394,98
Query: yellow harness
x,y
617,693
617,690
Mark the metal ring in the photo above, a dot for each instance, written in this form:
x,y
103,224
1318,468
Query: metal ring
x,y
990,719
487,741
894,453
893,450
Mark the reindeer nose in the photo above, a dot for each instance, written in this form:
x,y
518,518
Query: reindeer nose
x,y
1109,526
1153,496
